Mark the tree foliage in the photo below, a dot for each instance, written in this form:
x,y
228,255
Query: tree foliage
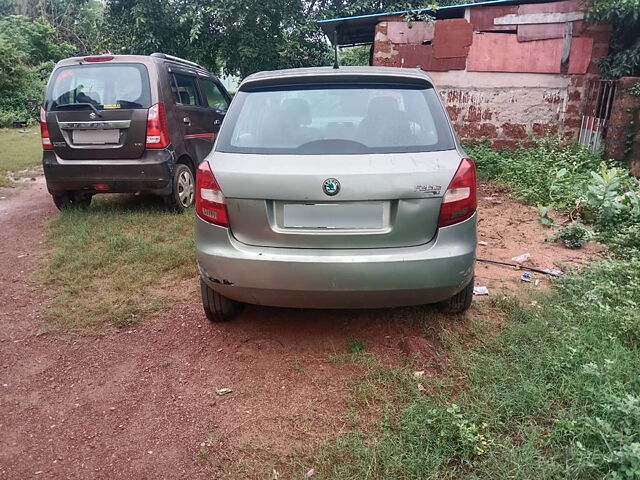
x,y
28,51
624,48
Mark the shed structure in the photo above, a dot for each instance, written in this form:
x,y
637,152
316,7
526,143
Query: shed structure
x,y
508,70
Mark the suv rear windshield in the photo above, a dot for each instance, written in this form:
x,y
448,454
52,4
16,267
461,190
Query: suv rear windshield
x,y
336,119
107,86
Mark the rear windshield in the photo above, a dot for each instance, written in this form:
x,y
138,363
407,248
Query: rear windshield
x,y
106,86
336,119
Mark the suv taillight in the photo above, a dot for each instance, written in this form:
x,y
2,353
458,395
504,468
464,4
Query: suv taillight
x,y
460,201
210,204
44,131
157,132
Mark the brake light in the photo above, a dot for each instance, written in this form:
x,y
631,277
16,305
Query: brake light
x,y
460,201
157,131
101,58
210,204
44,131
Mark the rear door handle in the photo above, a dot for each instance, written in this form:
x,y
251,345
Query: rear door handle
x,y
187,120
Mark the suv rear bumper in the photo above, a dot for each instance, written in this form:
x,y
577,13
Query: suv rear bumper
x,y
330,278
151,173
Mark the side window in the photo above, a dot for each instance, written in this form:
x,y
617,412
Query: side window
x,y
215,98
186,91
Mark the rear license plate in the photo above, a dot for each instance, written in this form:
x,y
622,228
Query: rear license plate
x,y
96,137
345,216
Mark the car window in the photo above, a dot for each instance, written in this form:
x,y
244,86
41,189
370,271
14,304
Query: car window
x,y
186,91
336,119
214,96
109,86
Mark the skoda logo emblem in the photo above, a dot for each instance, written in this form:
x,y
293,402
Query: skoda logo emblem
x,y
92,115
331,186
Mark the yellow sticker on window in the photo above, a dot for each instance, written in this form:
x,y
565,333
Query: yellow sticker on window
x,y
113,105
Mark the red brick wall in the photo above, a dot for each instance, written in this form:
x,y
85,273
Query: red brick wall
x,y
508,114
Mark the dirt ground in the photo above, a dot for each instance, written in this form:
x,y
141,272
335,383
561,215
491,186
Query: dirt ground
x,y
141,402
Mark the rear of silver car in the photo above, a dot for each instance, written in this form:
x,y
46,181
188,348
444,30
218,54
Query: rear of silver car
x,y
336,189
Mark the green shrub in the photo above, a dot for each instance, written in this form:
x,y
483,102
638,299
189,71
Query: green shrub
x,y
570,178
574,235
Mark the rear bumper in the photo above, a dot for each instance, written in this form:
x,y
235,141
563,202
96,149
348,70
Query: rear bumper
x,y
330,278
150,173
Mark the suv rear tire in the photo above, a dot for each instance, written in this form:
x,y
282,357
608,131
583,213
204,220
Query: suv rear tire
x,y
71,200
218,308
184,188
460,302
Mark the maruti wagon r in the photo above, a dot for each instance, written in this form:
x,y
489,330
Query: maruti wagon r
x,y
336,188
128,123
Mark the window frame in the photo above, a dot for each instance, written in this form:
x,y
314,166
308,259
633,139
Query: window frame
x,y
176,97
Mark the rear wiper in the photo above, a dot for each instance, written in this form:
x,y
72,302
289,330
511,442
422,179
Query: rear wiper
x,y
80,104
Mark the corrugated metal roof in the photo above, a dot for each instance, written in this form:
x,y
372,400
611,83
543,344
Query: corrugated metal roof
x,y
360,29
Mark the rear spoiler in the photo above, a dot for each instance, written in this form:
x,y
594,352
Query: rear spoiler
x,y
333,77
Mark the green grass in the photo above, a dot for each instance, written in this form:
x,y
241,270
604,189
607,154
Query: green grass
x,y
115,261
20,154
549,389
555,395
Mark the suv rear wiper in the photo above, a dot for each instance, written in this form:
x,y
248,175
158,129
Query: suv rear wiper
x,y
80,104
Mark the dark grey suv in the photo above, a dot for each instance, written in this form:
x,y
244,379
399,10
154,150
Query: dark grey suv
x,y
128,123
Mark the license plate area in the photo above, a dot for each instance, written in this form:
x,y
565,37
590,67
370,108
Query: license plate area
x,y
335,216
96,137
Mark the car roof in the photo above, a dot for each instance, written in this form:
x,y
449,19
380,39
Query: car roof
x,y
330,74
145,59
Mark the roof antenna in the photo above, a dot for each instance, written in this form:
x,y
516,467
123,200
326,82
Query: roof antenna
x,y
335,48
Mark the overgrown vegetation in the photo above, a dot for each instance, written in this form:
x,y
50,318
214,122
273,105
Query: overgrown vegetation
x,y
555,393
570,178
115,261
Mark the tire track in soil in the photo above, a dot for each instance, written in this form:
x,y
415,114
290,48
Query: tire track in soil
x,y
139,402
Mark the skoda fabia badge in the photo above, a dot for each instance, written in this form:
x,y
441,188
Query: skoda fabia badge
x,y
331,186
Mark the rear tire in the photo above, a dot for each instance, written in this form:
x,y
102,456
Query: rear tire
x,y
460,302
71,200
218,308
183,189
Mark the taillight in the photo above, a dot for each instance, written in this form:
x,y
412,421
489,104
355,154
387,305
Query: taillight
x,y
44,131
210,204
157,132
100,58
460,201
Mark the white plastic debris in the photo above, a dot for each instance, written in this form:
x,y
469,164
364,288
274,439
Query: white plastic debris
x,y
556,272
522,258
480,290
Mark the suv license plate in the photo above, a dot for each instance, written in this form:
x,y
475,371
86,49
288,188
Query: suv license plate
x,y
96,137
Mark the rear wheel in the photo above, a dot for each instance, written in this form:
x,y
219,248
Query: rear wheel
x,y
71,200
218,308
183,191
460,302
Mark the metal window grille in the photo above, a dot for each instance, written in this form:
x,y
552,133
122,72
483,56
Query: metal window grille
x,y
596,113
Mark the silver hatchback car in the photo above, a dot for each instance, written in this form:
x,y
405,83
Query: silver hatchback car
x,y
336,188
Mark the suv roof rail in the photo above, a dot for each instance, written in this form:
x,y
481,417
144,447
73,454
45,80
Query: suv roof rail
x,y
175,59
